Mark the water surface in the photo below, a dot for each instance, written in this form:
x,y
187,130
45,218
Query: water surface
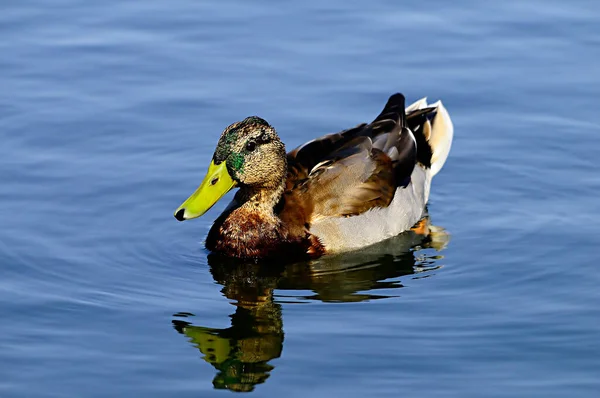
x,y
109,114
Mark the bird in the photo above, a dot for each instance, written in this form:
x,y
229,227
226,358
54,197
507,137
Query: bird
x,y
341,192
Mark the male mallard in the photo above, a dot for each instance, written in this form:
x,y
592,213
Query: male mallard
x,y
337,193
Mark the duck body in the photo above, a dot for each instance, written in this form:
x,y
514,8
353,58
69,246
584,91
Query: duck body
x,y
337,193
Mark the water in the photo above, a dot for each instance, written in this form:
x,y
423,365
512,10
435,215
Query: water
x,y
109,113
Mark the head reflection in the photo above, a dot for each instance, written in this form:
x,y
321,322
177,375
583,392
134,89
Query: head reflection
x,y
241,353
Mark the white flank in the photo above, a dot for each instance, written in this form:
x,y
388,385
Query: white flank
x,y
375,225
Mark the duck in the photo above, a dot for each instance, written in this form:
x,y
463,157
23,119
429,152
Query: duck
x,y
341,192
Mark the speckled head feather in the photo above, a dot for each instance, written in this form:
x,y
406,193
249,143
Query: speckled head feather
x,y
253,152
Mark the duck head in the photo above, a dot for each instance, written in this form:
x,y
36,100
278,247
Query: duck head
x,y
249,155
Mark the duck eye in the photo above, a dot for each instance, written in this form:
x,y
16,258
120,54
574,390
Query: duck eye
x,y
250,146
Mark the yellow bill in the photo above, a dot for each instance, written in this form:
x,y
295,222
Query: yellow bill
x,y
216,184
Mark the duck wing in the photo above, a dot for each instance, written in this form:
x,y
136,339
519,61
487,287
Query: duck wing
x,y
350,172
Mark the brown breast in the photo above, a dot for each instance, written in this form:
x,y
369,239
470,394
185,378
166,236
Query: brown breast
x,y
246,233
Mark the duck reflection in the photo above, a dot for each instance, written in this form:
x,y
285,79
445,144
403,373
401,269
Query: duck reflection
x,y
241,353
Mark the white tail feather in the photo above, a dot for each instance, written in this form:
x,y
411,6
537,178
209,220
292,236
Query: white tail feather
x,y
420,104
442,132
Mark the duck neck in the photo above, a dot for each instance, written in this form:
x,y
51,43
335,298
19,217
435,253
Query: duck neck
x,y
262,199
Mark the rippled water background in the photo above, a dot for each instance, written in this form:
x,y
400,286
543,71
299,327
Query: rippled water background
x,y
109,113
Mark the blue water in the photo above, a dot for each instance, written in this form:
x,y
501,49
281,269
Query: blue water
x,y
109,114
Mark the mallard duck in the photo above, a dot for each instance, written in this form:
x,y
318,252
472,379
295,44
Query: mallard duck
x,y
337,193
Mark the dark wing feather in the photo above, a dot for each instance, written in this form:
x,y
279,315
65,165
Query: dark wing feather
x,y
350,172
